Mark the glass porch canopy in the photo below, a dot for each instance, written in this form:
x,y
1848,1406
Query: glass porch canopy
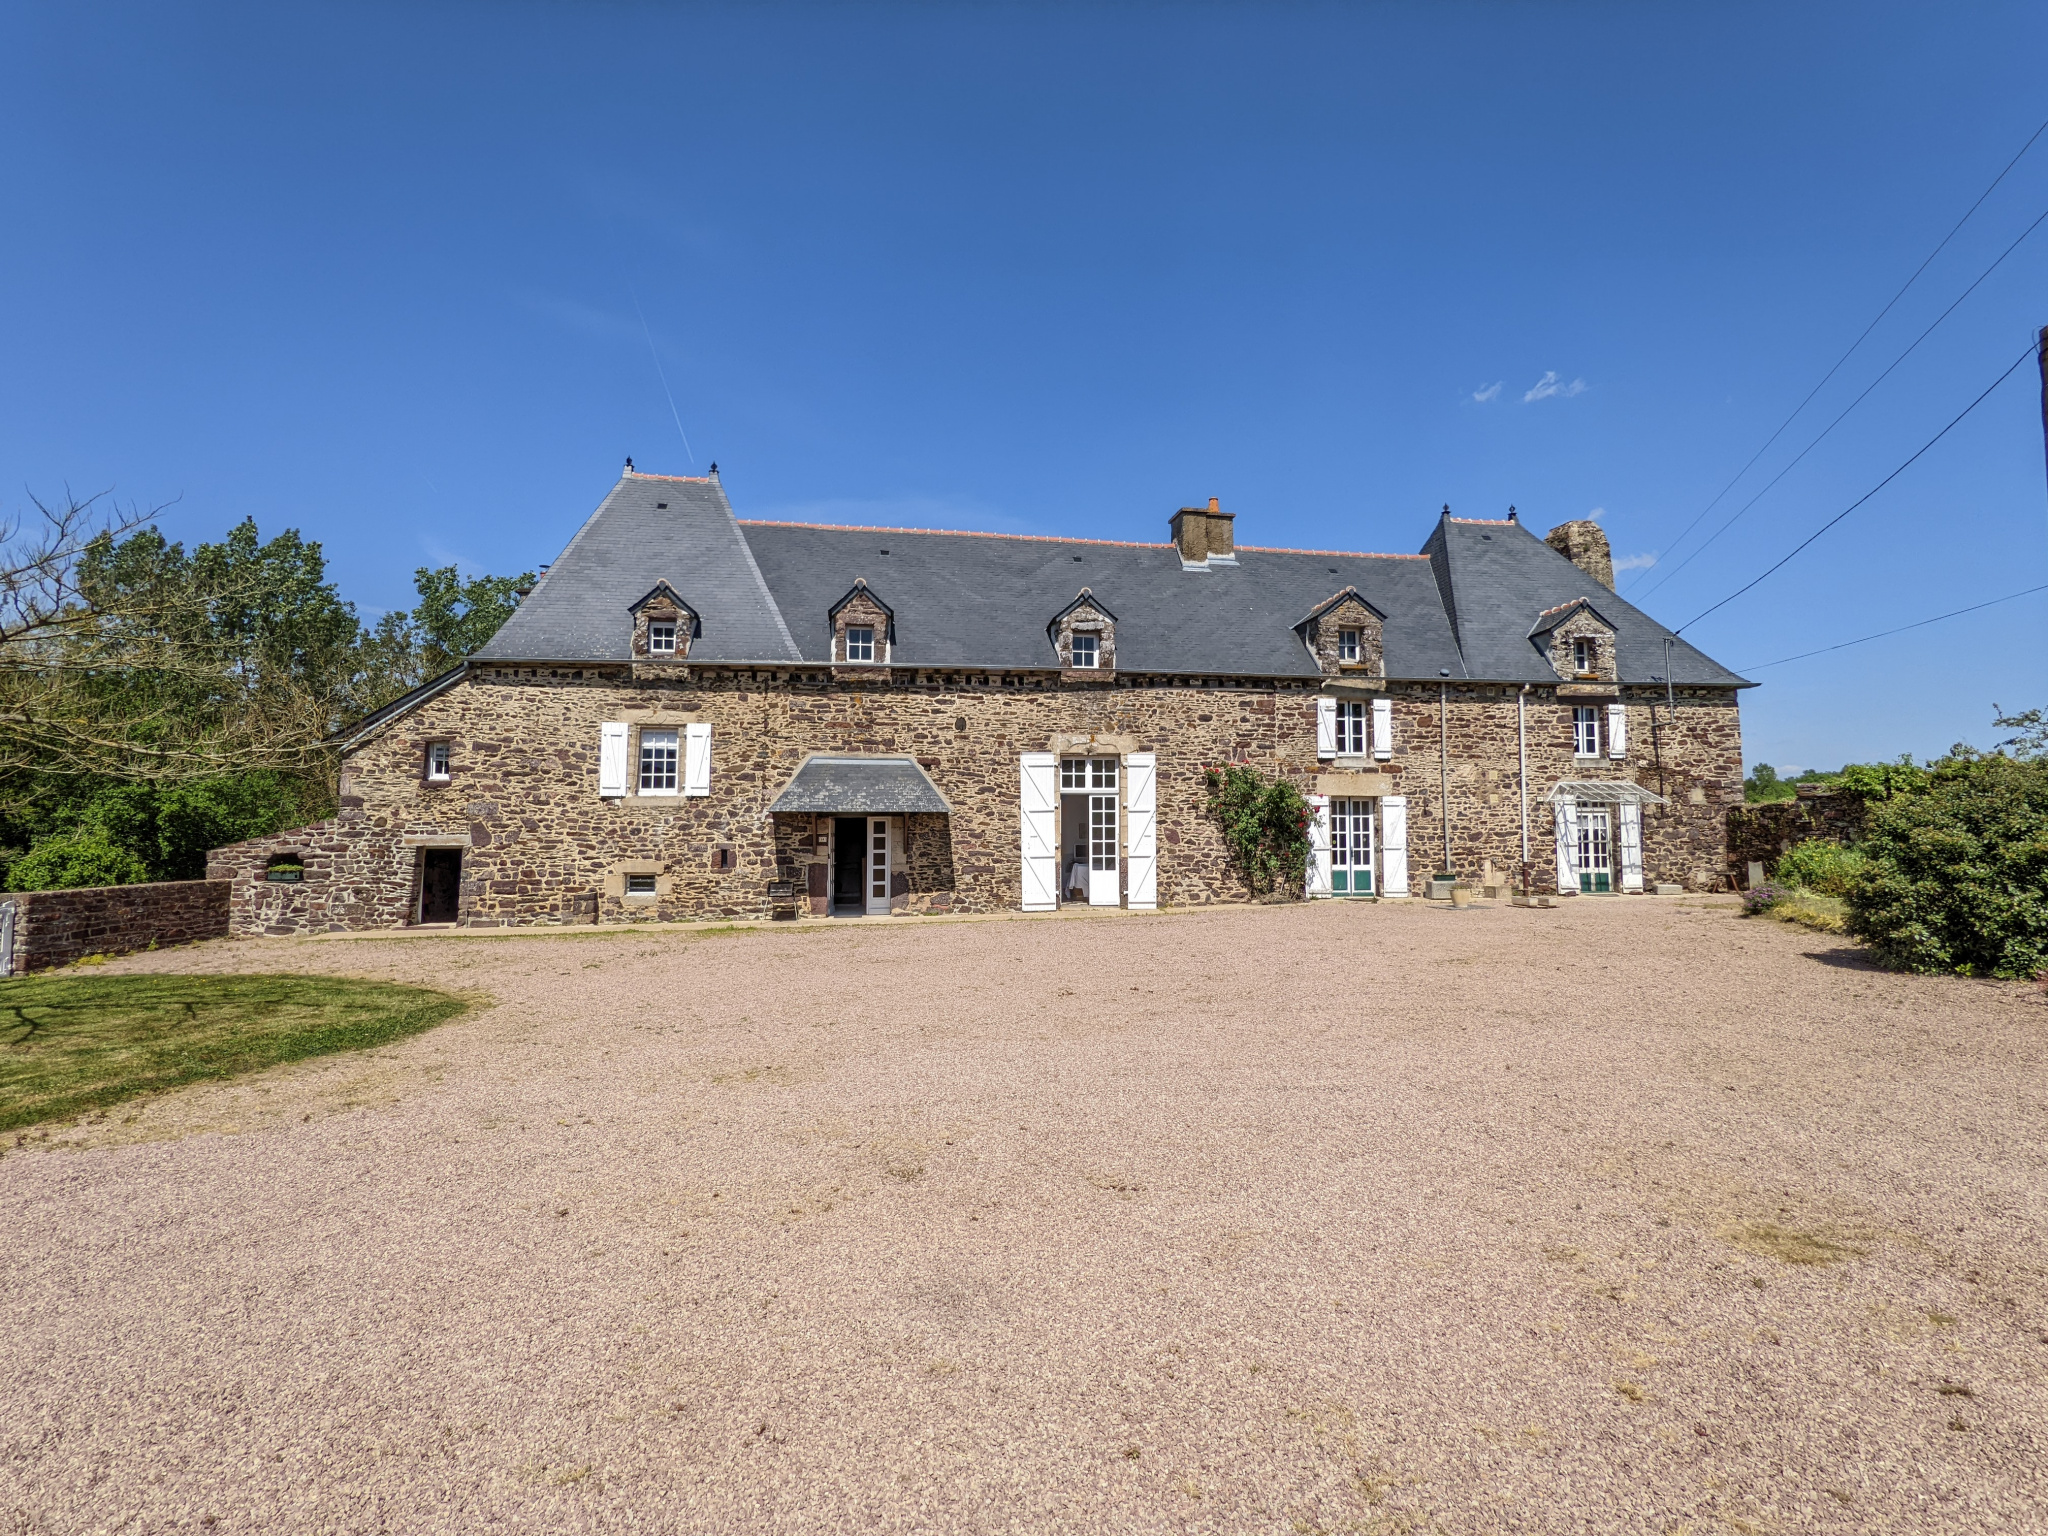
x,y
1602,792
860,786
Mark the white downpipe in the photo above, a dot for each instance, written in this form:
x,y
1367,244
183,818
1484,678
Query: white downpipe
x,y
1522,749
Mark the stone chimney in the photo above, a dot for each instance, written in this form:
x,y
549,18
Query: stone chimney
x,y
1203,534
1585,545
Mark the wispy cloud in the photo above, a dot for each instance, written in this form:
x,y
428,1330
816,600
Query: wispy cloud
x,y
1635,562
1481,396
1596,514
1550,384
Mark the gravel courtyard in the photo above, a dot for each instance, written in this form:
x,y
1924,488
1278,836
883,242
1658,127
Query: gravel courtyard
x,y
1628,1216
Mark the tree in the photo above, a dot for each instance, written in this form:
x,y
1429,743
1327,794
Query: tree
x,y
2032,726
454,620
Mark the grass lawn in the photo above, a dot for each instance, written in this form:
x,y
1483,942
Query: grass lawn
x,y
73,1043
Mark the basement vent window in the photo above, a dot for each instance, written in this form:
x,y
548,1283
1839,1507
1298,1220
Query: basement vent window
x,y
639,885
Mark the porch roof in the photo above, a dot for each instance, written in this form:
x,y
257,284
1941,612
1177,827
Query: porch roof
x,y
860,786
1603,792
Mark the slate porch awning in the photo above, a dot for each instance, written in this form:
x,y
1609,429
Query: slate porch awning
x,y
860,786
1602,792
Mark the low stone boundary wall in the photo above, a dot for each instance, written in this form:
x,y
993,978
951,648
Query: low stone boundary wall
x,y
39,929
1766,833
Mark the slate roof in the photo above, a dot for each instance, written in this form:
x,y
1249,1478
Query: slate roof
x,y
860,786
1463,608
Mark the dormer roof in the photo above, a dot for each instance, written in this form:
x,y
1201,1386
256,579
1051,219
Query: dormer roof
x,y
1086,599
1337,600
1550,618
662,592
860,588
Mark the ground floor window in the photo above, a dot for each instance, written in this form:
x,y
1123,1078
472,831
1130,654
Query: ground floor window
x,y
1351,847
1585,731
1596,855
657,762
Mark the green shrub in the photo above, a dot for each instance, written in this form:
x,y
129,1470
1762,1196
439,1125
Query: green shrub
x,y
85,857
1820,864
1956,877
1265,825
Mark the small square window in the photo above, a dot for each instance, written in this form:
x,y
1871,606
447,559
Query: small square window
x,y
1085,651
860,643
1347,645
1102,773
661,638
437,762
639,885
1073,773
657,762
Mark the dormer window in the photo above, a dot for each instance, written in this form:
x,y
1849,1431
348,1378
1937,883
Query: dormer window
x,y
1585,656
661,637
1345,633
1087,651
663,625
863,630
1083,636
860,643
1347,646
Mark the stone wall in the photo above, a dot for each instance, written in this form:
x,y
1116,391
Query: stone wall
x,y
1766,833
539,845
56,927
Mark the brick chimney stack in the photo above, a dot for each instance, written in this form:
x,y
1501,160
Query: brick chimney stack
x,y
1584,543
1204,533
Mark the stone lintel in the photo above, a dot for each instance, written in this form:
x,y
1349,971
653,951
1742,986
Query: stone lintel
x,y
1350,683
1588,691
641,715
435,840
1356,785
1091,743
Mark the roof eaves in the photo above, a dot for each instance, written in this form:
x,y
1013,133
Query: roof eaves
x,y
355,735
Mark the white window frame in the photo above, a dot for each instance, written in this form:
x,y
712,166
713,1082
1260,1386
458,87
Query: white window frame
x,y
1585,730
862,649
1348,645
651,892
1083,644
1352,738
438,758
1595,851
660,762
661,637
1351,845
1585,655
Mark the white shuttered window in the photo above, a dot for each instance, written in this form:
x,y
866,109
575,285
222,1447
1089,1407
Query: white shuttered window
x,y
1141,829
611,759
1038,800
1318,845
1383,728
1326,728
1394,845
1617,731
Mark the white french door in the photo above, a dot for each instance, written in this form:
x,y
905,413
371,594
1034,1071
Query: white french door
x,y
878,852
1351,847
1104,885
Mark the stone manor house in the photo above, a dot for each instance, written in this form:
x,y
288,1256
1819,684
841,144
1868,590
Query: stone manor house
x,y
695,716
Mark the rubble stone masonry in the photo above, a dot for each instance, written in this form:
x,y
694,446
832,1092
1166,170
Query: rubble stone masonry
x,y
540,846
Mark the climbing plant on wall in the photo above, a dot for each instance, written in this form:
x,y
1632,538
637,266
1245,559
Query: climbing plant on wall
x,y
1265,825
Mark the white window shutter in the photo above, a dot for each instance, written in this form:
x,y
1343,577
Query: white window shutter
x,y
1039,813
1631,847
697,759
1382,728
611,759
1567,847
1319,845
1394,845
1141,828
1617,731
1326,727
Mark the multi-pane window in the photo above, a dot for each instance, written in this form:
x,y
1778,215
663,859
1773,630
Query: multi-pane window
x,y
860,643
661,637
437,761
1086,651
1347,645
1351,847
1585,656
1585,731
1350,728
1087,773
657,762
1102,832
878,859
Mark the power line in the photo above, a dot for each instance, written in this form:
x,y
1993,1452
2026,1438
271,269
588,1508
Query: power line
x,y
1883,633
662,374
1887,480
1781,474
1802,405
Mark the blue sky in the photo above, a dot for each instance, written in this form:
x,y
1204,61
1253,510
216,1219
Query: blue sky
x,y
372,272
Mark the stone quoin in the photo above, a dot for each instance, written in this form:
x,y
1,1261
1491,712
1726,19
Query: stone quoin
x,y
692,716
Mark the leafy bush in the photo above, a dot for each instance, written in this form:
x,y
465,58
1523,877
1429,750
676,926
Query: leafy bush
x,y
1881,781
1759,899
1265,825
1819,864
88,856
1956,877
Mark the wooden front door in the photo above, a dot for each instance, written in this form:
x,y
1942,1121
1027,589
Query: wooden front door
x,y
440,884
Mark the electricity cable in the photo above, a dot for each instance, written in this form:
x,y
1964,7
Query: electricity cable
x,y
1702,546
1887,480
662,374
1803,404
1883,633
